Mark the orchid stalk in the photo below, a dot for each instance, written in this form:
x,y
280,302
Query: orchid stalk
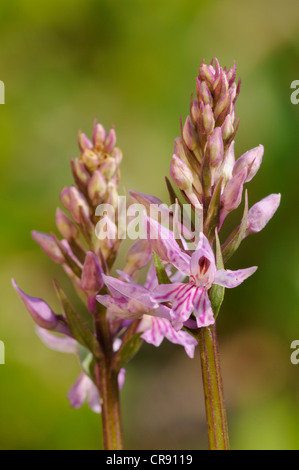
x,y
187,276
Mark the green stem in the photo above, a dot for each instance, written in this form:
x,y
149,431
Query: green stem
x,y
107,380
107,383
213,389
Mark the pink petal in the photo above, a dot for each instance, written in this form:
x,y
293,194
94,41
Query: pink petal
x,y
203,309
133,291
92,274
84,389
166,292
230,279
165,245
58,343
182,305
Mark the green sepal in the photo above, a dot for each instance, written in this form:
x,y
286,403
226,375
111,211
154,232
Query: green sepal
x,y
78,328
233,242
160,270
216,293
127,351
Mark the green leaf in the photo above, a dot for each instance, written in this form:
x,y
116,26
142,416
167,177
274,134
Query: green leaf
x,y
216,293
160,270
127,351
233,242
78,328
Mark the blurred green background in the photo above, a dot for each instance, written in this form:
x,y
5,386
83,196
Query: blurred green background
x,y
133,64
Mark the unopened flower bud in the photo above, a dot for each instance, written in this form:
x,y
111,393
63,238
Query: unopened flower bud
x,y
232,194
81,174
98,137
195,112
207,72
110,140
48,245
228,163
66,227
74,201
108,168
189,134
223,107
231,74
260,214
250,160
40,311
92,274
208,119
181,174
203,92
227,127
97,188
90,160
215,147
84,142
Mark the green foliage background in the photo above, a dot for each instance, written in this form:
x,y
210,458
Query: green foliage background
x,y
133,64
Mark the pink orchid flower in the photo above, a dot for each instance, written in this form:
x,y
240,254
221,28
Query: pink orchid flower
x,y
132,301
199,267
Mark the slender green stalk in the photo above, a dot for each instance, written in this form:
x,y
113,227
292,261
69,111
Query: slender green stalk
x,y
107,380
213,389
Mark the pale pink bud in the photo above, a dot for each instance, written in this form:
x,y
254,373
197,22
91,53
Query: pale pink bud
x,y
207,72
92,274
227,127
110,140
203,92
80,172
108,168
84,142
74,201
189,134
215,147
208,119
66,227
195,112
90,160
223,107
260,214
250,160
41,313
99,136
232,194
181,174
228,163
48,245
97,187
